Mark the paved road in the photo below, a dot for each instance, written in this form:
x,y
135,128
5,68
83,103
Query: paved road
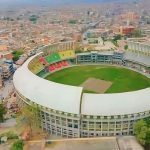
x,y
102,143
7,89
8,123
5,147
35,146
105,143
128,143
109,144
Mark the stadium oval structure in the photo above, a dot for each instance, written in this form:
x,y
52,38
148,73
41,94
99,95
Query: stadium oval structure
x,y
67,111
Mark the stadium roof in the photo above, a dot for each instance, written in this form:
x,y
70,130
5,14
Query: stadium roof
x,y
142,59
68,98
96,52
46,93
116,104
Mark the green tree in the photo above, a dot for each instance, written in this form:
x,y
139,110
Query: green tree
x,y
33,18
16,54
136,33
72,21
31,116
142,132
18,145
115,39
126,47
2,112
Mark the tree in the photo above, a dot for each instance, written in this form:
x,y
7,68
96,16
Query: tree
x,y
31,116
126,47
115,39
72,21
142,132
33,18
16,54
2,112
136,33
18,145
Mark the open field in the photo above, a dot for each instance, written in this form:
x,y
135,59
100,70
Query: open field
x,y
123,80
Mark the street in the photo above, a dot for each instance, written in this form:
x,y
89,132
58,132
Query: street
x,y
7,89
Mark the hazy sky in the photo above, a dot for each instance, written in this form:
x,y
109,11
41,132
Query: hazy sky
x,y
19,3
54,1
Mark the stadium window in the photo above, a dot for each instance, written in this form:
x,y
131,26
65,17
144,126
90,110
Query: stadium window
x,y
112,117
125,122
91,123
91,117
69,114
98,117
75,126
125,116
119,117
69,120
118,122
105,117
65,114
75,115
70,125
57,117
75,121
88,117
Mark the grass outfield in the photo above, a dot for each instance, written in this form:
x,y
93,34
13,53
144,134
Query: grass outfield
x,y
123,80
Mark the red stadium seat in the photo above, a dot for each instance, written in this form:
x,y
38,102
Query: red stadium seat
x,y
59,64
56,65
42,61
65,63
51,68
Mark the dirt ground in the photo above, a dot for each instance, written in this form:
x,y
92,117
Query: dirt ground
x,y
96,85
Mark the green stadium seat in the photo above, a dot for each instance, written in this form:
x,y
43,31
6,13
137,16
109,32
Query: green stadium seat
x,y
52,58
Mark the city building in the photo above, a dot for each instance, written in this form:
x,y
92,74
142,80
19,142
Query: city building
x,y
139,45
7,68
123,30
